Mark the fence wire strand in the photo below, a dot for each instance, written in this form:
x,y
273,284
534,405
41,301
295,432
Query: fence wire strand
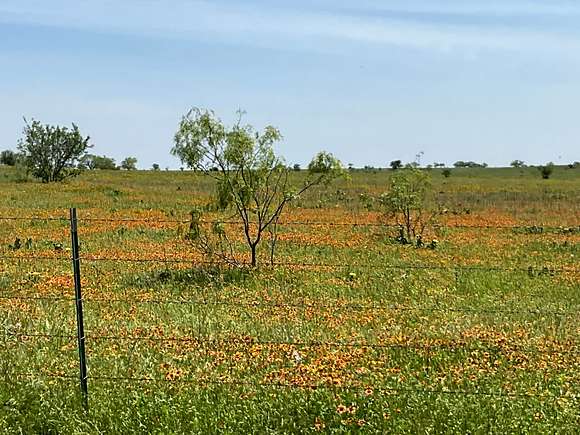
x,y
450,225
362,307
282,385
266,306
543,269
391,390
451,345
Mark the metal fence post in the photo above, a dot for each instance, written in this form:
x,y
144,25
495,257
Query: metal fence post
x,y
79,307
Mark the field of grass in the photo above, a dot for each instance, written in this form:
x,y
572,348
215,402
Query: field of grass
x,y
350,332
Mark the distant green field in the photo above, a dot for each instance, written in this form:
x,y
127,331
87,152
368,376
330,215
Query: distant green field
x,y
350,333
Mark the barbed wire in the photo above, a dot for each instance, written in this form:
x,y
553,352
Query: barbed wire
x,y
332,306
37,298
532,226
543,269
306,386
34,218
298,386
15,334
531,268
217,343
40,374
325,223
451,345
303,306
35,257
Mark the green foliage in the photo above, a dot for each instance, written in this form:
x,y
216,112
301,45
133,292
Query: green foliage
x,y
408,190
91,161
251,180
129,164
446,172
433,346
518,164
546,170
52,153
470,164
366,200
396,164
324,168
155,167
406,203
183,279
8,158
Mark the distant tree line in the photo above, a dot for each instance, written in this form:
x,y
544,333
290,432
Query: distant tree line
x,y
53,153
91,161
470,164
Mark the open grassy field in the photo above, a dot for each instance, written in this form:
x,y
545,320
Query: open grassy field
x,y
350,332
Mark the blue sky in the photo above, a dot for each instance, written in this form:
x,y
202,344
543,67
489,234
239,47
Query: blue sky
x,y
369,80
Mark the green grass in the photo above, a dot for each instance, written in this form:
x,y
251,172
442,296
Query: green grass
x,y
483,341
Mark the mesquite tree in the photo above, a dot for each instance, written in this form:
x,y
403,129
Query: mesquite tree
x,y
52,153
251,180
406,202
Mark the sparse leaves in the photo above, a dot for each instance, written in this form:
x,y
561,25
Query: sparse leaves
x,y
251,180
406,202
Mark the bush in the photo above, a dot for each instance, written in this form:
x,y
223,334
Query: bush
x,y
52,153
446,173
546,170
406,202
470,164
129,164
91,161
396,164
8,158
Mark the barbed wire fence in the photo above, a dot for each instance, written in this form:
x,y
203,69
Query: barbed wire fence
x,y
82,338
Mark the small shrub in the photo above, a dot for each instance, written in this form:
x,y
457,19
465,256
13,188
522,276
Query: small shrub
x,y
130,164
406,203
8,158
546,170
396,164
366,200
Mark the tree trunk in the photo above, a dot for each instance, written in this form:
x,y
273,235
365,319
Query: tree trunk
x,y
408,224
253,247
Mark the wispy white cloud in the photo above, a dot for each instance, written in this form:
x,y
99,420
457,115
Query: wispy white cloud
x,y
265,24
496,8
